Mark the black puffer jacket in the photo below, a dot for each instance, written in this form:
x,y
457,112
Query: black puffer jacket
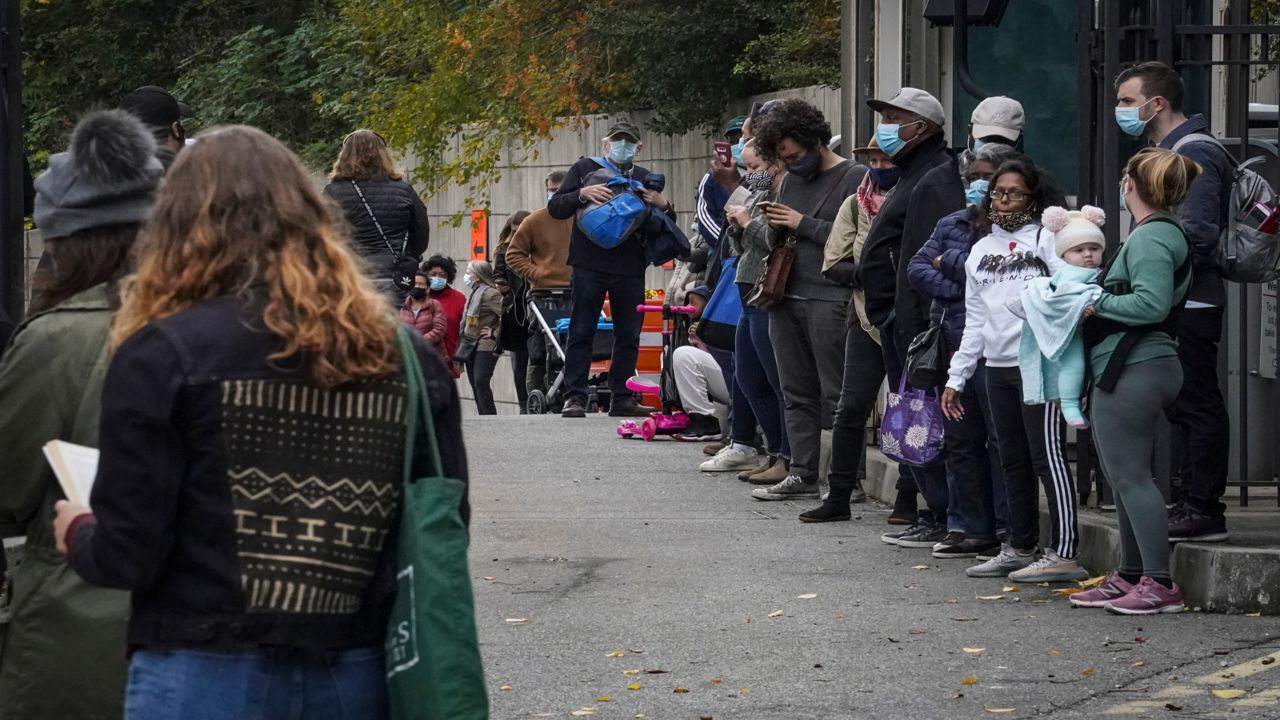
x,y
400,212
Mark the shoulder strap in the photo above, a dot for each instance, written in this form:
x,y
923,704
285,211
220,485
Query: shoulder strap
x,y
1204,138
607,164
378,224
419,405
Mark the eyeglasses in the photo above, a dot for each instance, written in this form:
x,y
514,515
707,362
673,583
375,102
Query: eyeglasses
x,y
1014,195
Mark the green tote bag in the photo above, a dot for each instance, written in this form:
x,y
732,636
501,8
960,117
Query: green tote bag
x,y
434,670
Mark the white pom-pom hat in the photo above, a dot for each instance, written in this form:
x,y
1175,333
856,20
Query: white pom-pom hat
x,y
1073,228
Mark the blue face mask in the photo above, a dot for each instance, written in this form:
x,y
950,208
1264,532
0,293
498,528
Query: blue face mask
x,y
438,283
622,151
884,178
977,190
1129,120
736,151
550,194
888,140
977,144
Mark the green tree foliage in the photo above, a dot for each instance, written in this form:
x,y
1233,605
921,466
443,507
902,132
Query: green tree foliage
x,y
467,85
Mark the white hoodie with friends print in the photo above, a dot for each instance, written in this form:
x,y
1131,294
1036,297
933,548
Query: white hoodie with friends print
x,y
999,266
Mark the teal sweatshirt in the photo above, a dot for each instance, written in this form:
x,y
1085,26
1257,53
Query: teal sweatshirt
x,y
1146,263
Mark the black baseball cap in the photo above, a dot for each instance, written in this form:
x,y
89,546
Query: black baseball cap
x,y
155,106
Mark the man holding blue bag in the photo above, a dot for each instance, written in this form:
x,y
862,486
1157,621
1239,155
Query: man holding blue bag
x,y
600,193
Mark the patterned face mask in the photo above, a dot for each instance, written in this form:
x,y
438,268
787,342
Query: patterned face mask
x,y
757,180
1010,222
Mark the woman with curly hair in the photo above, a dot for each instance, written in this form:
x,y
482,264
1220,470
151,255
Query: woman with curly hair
x,y
1015,249
807,327
254,375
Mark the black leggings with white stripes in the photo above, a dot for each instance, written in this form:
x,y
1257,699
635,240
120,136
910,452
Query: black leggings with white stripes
x,y
1032,443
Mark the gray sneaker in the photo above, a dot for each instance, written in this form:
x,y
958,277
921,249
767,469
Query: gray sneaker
x,y
790,487
1002,564
893,536
1051,567
926,537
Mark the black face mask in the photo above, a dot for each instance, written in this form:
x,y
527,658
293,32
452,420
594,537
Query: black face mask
x,y
808,166
417,293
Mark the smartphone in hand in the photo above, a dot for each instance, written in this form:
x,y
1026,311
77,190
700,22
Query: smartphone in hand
x,y
724,153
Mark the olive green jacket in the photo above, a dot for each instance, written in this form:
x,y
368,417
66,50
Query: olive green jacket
x,y
62,647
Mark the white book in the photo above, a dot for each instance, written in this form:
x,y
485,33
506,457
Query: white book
x,y
75,466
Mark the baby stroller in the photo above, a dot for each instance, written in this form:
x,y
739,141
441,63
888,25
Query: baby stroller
x,y
550,310
676,320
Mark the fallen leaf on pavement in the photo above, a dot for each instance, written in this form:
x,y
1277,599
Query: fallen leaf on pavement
x,y
603,698
919,567
517,621
488,577
742,691
533,714
1257,614
1227,694
615,653
969,681
1045,584
839,616
631,672
638,652
917,631
775,613
1064,592
583,712
633,686
990,597
505,688
1140,663
1087,671
1011,588
680,690
974,650
807,596
1054,653
715,681
1092,582
999,710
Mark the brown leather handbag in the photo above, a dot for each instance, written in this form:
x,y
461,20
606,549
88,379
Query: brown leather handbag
x,y
771,284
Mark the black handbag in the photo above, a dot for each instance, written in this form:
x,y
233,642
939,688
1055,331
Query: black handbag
x,y
403,267
928,359
466,351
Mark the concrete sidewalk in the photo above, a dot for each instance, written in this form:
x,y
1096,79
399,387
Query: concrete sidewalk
x,y
1238,576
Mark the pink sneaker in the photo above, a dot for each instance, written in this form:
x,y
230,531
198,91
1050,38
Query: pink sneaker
x,y
1148,597
1113,588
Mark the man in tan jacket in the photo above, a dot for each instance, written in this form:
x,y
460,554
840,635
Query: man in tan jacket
x,y
539,252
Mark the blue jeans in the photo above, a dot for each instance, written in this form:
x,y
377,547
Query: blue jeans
x,y
625,293
742,421
266,684
975,486
756,378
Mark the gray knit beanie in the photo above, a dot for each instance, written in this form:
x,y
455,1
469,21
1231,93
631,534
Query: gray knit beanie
x,y
107,177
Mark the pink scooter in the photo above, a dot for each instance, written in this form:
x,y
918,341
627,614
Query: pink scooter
x,y
672,420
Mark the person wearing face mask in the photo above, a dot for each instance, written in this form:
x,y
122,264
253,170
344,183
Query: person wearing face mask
x,y
716,185
755,367
426,315
162,114
1014,250
863,362
928,188
483,322
441,272
807,326
1149,99
977,505
619,272
996,120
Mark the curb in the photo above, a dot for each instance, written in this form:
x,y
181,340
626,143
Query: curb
x,y
1214,577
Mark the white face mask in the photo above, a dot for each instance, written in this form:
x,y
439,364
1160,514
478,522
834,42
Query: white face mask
x,y
466,280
